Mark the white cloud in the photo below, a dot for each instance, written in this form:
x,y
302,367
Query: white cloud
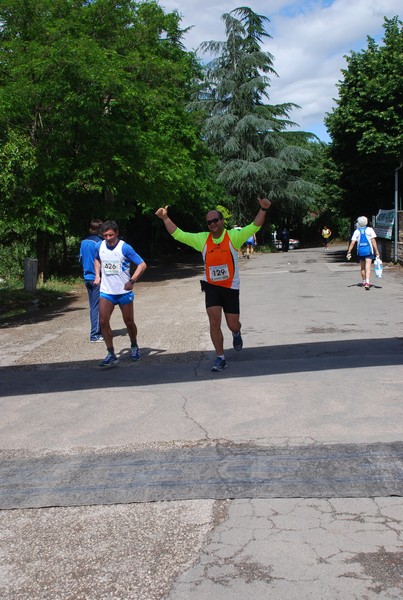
x,y
309,42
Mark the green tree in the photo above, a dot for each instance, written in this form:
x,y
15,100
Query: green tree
x,y
96,93
244,130
366,126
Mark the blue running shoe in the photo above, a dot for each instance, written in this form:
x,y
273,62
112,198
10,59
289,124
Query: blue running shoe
x,y
110,360
219,365
135,353
237,341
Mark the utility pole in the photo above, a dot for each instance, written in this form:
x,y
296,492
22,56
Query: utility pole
x,y
396,210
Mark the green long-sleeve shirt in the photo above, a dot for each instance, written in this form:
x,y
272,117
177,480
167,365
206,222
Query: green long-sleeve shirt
x,y
198,240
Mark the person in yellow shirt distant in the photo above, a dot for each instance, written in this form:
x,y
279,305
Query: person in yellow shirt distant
x,y
326,233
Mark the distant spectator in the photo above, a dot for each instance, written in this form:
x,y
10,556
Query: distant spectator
x,y
88,250
250,245
284,236
326,233
367,249
241,249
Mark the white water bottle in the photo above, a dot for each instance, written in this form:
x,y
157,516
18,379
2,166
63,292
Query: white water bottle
x,y
378,267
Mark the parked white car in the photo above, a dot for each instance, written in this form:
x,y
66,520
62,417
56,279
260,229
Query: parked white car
x,y
293,244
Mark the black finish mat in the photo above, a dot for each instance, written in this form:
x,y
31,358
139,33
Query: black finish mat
x,y
211,471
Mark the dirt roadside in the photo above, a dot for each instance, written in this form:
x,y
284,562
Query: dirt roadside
x,y
59,337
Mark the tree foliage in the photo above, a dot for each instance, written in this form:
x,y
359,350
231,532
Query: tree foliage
x,y
93,117
366,126
241,127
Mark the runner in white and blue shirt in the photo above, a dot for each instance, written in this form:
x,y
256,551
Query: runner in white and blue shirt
x,y
115,267
112,261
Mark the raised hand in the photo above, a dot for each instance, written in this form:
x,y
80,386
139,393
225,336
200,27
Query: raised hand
x,y
162,213
264,203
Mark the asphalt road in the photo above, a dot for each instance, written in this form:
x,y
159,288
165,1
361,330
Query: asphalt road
x,y
156,480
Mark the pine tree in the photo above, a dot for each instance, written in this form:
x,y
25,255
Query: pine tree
x,y
241,127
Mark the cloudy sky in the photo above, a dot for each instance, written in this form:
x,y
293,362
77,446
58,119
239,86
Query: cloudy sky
x,y
310,39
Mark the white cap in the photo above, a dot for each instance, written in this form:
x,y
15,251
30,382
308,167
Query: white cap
x,y
362,221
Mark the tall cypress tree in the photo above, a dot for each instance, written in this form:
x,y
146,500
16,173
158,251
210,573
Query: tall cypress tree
x,y
241,127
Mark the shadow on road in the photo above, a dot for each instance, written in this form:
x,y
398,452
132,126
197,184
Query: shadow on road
x,y
43,315
161,367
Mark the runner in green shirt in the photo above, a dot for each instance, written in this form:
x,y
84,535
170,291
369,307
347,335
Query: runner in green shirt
x,y
219,247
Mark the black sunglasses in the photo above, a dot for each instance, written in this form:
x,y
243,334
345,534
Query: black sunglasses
x,y
213,221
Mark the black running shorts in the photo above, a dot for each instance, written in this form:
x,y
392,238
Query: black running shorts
x,y
216,295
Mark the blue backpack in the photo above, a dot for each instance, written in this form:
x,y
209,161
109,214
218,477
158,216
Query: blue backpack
x,y
364,248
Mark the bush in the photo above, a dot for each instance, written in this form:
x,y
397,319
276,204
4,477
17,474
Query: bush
x,y
12,259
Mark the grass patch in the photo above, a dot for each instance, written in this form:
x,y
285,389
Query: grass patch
x,y
14,300
265,249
